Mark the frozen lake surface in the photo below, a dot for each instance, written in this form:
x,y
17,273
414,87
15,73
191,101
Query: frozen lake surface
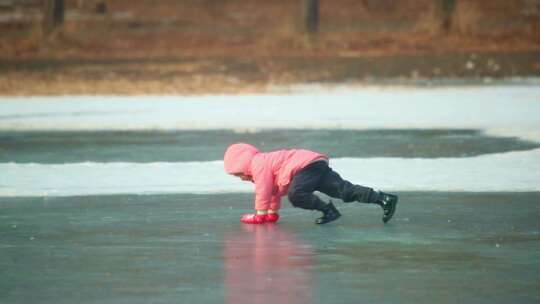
x,y
512,171
444,248
402,139
502,110
74,227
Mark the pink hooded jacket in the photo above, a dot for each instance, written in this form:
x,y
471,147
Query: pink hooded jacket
x,y
271,172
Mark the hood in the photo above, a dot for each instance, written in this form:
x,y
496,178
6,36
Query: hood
x,y
238,158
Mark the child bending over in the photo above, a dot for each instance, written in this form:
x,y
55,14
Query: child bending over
x,y
297,173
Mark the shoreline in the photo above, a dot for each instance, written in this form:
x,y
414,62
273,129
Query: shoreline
x,y
224,75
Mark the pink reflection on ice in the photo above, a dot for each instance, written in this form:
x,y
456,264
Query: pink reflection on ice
x,y
266,264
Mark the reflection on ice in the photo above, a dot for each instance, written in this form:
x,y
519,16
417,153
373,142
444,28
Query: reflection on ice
x,y
266,264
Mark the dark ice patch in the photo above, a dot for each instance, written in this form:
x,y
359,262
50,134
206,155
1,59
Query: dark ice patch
x,y
177,146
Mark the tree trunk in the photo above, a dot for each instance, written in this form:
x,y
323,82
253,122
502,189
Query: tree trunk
x,y
101,7
54,14
445,12
311,16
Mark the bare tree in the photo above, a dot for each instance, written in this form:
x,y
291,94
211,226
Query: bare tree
x,y
311,15
53,14
444,10
101,7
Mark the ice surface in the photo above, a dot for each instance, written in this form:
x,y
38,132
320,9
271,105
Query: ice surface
x,y
466,248
506,110
477,248
178,146
502,110
513,171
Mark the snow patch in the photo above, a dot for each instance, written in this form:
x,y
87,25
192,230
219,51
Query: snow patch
x,y
514,171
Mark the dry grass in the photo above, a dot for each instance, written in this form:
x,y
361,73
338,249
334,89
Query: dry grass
x,y
60,84
258,28
201,37
466,17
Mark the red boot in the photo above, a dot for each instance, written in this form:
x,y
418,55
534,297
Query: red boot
x,y
272,217
253,218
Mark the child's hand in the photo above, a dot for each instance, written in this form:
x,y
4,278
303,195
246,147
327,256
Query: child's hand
x,y
253,218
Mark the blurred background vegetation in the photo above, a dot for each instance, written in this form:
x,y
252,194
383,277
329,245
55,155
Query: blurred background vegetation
x,y
272,41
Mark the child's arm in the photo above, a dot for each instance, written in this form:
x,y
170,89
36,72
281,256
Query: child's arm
x,y
275,203
264,186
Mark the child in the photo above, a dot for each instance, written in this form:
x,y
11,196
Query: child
x,y
297,173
